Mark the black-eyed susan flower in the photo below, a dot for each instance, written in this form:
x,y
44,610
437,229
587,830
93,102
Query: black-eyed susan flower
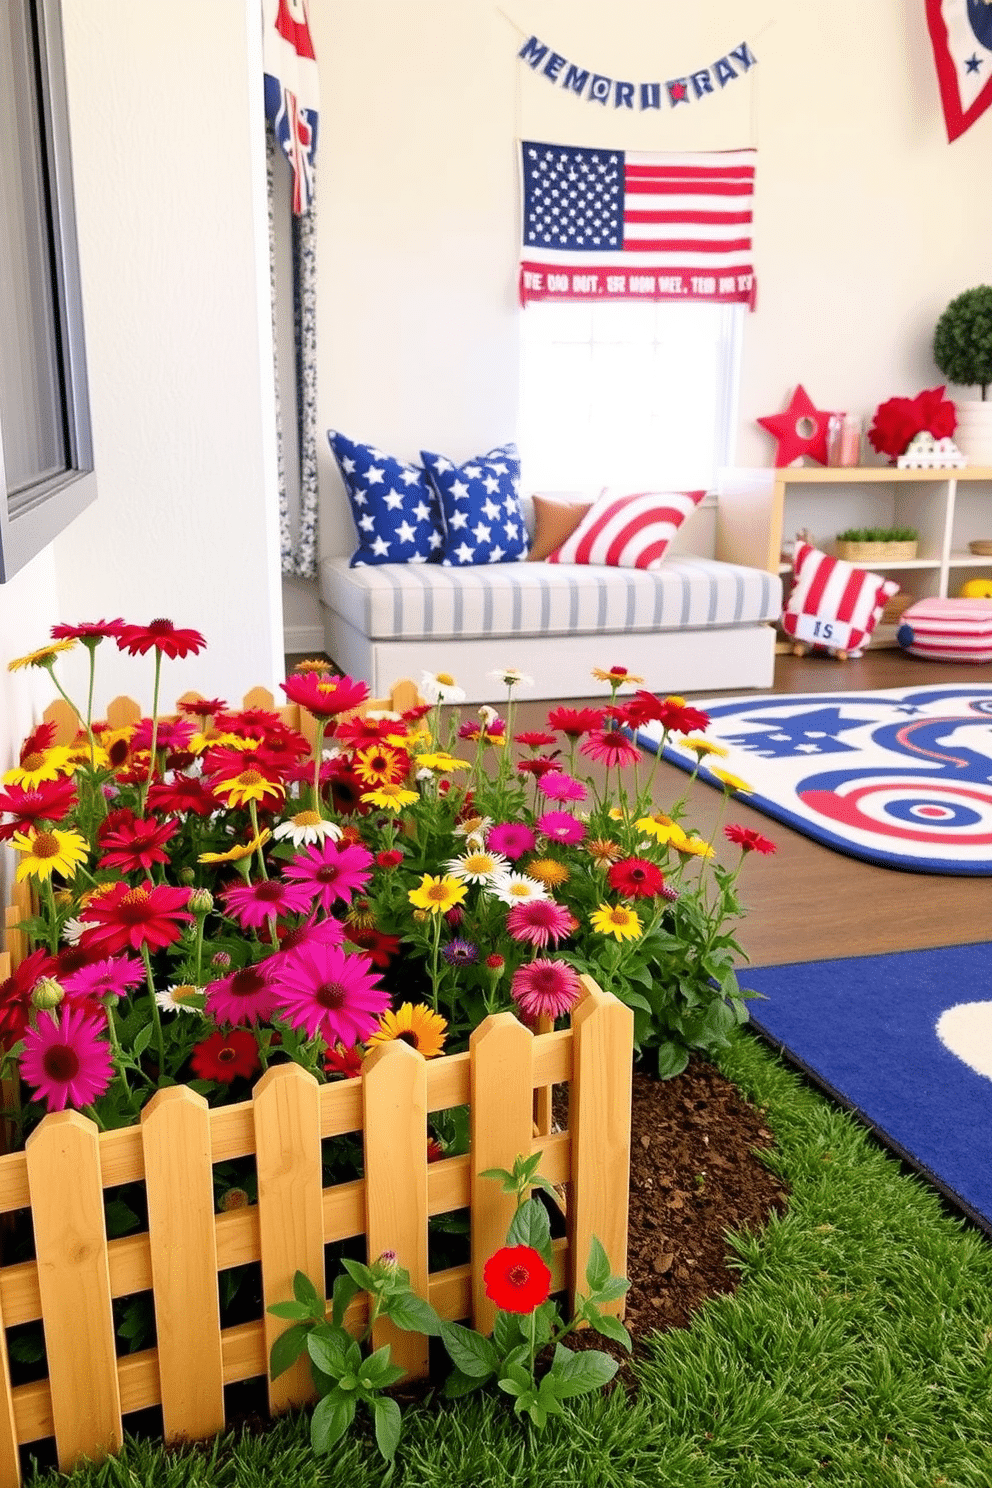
x,y
618,920
415,1024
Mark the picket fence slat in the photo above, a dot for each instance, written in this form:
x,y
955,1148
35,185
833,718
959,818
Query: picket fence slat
x,y
9,1459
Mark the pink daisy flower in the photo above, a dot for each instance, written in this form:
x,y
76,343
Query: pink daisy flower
x,y
254,904
328,931
561,826
114,977
512,839
539,921
558,786
610,747
545,989
65,1060
243,997
331,871
326,991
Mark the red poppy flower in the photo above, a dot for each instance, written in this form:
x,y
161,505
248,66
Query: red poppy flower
x,y
636,878
151,915
90,634
748,840
224,1056
324,695
517,1279
574,722
49,800
161,635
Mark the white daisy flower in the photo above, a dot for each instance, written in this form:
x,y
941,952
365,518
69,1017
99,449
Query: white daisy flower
x,y
473,829
517,888
487,715
511,677
440,687
478,867
307,827
73,930
181,997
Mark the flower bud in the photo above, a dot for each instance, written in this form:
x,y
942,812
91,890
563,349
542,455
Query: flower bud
x,y
200,902
221,960
47,994
186,875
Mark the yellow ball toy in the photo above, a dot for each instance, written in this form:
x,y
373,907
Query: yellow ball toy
x,y
977,589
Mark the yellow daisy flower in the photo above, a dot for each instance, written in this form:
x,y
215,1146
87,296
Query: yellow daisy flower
x,y
696,847
441,762
414,1024
80,756
49,852
618,920
661,828
616,675
47,764
43,657
202,741
250,785
361,915
732,782
700,747
391,797
239,851
548,871
437,895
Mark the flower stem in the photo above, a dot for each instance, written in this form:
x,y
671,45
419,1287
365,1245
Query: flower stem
x,y
253,813
156,1015
154,741
318,759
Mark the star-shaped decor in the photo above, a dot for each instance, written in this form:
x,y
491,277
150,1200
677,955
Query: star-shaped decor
x,y
800,430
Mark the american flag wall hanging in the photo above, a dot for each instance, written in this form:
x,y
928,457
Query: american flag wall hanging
x,y
961,35
292,90
621,224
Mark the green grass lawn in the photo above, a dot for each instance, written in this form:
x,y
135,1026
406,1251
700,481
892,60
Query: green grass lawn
x,y
857,1353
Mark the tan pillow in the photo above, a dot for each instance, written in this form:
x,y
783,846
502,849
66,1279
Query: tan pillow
x,y
554,523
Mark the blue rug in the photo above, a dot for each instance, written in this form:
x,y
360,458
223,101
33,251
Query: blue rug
x,y
905,1040
901,778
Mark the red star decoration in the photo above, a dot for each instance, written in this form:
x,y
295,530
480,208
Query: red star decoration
x,y
800,430
678,92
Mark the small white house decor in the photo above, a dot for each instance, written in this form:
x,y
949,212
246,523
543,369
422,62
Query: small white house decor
x,y
927,453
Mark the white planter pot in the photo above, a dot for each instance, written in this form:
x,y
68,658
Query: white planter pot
x,y
973,435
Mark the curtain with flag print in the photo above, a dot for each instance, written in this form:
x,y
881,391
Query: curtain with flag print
x,y
291,106
621,224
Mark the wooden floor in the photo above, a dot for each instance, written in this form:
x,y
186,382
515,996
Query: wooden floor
x,y
807,902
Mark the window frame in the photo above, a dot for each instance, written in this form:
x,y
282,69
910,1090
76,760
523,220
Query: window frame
x,y
34,517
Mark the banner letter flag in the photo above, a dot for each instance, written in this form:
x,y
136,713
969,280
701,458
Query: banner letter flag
x,y
961,33
292,97
616,225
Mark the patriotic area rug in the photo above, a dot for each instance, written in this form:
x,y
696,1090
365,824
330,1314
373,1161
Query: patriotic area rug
x,y
901,778
905,1041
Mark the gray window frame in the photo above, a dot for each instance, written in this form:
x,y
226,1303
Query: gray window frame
x,y
31,519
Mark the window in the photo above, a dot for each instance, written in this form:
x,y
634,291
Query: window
x,y
629,394
46,465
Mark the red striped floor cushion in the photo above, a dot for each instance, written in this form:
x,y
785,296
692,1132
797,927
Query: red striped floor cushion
x,y
628,531
833,604
948,629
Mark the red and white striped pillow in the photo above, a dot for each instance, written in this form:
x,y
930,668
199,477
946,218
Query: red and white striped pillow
x,y
833,604
628,531
948,629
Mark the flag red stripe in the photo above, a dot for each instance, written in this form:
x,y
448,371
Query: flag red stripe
x,y
689,172
644,187
728,219
637,524
687,245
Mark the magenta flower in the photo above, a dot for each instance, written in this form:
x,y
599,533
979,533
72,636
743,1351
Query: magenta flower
x,y
172,735
545,989
254,904
558,786
539,921
243,997
114,977
332,871
561,826
512,839
610,747
324,990
65,1060
328,931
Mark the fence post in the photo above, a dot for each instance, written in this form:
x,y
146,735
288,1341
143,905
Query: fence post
x,y
599,1120
502,1129
10,1463
63,1162
394,1091
175,1136
286,1113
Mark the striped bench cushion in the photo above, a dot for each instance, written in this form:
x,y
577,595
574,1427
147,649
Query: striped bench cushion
x,y
948,629
421,601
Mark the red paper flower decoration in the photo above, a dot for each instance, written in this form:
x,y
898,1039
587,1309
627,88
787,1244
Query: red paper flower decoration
x,y
898,421
800,430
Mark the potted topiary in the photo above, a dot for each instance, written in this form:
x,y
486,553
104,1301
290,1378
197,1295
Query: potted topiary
x,y
962,349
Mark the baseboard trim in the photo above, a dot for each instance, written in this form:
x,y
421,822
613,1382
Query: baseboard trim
x,y
297,638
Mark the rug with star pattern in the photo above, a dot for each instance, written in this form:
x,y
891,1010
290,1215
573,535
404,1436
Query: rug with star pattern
x,y
901,778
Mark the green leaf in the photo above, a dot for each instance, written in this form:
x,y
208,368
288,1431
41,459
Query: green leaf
x,y
469,1351
506,1180
672,1060
507,1333
578,1374
531,1226
142,1039
615,1287
297,1310
378,1371
609,1326
635,1000
458,1384
287,1349
360,1275
304,1291
388,1425
598,1270
413,1314
120,1218
328,1348
343,1291
330,1420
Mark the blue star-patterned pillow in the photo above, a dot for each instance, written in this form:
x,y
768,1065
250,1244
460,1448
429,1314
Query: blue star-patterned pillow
x,y
480,506
396,511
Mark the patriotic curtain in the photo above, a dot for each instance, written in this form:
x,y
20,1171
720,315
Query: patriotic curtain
x,y
621,225
291,107
961,35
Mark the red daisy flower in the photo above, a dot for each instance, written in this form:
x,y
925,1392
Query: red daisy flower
x,y
181,796
545,988
201,707
538,766
151,915
354,732
161,635
610,747
324,695
671,712
171,736
89,634
574,722
534,739
636,878
375,944
390,858
224,1056
538,922
346,1062
133,843
748,840
15,995
50,800
39,739
517,1279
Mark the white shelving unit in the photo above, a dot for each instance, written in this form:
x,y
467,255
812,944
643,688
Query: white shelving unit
x,y
760,513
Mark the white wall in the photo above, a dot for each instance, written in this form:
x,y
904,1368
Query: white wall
x,y
866,221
